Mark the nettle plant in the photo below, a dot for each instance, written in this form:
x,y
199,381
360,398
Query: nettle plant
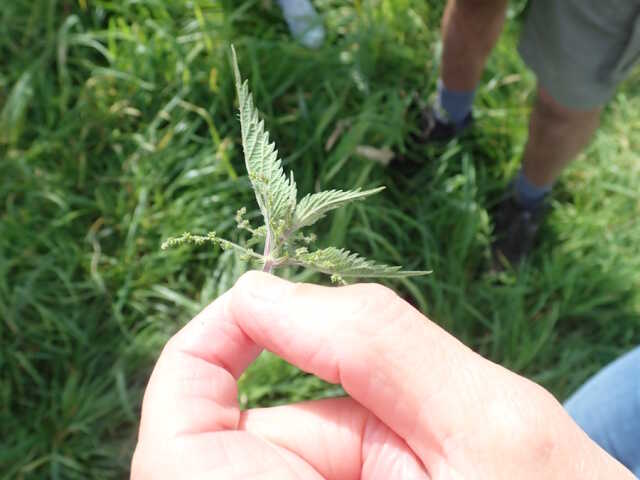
x,y
285,218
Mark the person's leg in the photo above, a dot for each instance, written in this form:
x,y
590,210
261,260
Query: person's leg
x,y
556,135
579,50
470,29
607,408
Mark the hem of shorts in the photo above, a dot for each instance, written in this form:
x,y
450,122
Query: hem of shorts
x,y
564,97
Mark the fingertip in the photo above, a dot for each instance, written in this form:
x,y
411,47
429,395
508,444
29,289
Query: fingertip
x,y
261,286
250,277
256,305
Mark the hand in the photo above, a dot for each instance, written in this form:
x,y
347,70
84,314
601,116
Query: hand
x,y
422,405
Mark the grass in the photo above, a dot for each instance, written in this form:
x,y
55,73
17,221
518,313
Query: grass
x,y
118,129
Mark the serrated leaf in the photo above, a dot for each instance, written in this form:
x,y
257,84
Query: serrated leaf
x,y
283,216
275,193
315,206
343,263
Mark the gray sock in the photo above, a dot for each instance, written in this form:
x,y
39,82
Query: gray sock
x,y
529,195
456,105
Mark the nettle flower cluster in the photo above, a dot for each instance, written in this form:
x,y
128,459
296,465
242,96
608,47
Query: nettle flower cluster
x,y
282,235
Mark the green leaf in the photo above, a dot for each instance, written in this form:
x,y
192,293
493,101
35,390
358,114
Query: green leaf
x,y
275,193
343,263
313,207
15,107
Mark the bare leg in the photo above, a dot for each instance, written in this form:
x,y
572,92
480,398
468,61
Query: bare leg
x,y
556,135
470,29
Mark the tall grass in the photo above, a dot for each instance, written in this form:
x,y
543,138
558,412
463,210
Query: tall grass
x,y
118,128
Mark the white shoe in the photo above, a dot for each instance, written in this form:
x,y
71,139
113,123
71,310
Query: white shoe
x,y
304,22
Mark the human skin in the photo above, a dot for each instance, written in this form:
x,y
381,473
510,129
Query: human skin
x,y
421,405
557,134
470,30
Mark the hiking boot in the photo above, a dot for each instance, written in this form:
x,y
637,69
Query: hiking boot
x,y
434,129
515,229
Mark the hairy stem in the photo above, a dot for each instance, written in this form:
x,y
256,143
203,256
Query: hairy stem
x,y
268,262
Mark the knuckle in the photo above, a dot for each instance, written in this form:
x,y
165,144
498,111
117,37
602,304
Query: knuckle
x,y
538,442
539,417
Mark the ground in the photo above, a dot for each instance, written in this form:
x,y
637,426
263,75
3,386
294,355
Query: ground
x,y
118,129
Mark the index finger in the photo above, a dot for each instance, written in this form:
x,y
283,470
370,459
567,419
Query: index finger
x,y
415,377
193,386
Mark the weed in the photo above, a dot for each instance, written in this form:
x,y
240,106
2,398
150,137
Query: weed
x,y
285,243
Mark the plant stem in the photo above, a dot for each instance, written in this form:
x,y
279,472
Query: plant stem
x,y
268,263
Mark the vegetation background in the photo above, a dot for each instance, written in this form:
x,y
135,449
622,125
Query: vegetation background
x,y
118,129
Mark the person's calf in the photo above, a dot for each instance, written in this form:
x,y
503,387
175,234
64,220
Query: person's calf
x,y
557,134
470,29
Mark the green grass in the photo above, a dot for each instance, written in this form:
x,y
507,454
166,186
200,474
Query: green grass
x,y
118,129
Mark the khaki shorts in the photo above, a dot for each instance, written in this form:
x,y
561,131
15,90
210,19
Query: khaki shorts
x,y
581,49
